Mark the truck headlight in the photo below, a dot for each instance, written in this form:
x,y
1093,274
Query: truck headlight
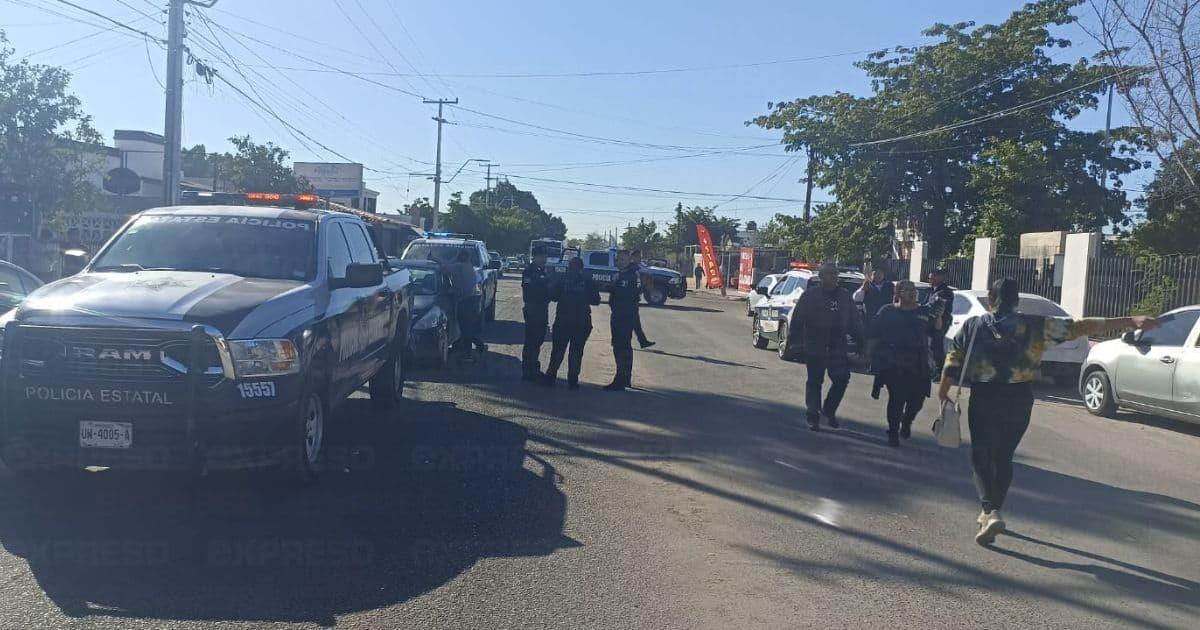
x,y
428,320
264,357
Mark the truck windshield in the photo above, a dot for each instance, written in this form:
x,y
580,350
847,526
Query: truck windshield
x,y
251,247
445,253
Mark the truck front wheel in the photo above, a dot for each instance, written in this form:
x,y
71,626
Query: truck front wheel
x,y
305,458
489,314
655,296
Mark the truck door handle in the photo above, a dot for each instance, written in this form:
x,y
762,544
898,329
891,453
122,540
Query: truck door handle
x,y
1167,359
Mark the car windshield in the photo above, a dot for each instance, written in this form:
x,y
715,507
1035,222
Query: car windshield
x,y
424,281
252,247
441,252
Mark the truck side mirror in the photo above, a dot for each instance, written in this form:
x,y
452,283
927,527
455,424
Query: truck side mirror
x,y
359,276
760,290
1131,337
493,264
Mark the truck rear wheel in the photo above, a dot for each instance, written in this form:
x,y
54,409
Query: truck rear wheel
x,y
489,314
387,388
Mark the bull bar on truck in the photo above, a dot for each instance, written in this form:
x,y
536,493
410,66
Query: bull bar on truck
x,y
187,443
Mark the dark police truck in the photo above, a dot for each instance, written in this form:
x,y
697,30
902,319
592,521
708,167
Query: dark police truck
x,y
216,335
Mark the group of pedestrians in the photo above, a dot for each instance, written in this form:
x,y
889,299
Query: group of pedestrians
x,y
575,293
998,354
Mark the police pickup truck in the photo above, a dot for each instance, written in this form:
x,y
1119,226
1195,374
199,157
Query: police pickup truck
x,y
201,337
658,283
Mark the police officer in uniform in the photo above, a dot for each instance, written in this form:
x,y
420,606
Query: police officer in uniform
x,y
940,304
536,293
623,300
575,293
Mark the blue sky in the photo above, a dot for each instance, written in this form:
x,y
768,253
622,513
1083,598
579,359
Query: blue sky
x,y
697,113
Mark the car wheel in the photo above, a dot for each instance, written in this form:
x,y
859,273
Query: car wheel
x,y
760,342
306,458
387,388
443,350
1097,394
785,347
655,296
489,315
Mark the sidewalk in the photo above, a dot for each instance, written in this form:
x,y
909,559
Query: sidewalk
x,y
730,294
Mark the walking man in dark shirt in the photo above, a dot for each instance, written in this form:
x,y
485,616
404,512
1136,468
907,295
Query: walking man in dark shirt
x,y
536,293
576,294
623,297
941,300
899,350
698,273
827,315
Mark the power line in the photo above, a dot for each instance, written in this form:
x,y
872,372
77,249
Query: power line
x,y
656,190
114,21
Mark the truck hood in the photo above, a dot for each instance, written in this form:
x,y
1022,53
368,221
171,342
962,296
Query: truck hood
x,y
223,301
661,271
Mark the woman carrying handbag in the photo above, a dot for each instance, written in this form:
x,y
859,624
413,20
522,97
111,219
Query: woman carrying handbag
x,y
1006,348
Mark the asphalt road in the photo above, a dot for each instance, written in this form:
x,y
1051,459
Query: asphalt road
x,y
696,500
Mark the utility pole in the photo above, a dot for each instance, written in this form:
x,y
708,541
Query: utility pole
x,y
1107,137
808,188
487,188
437,171
173,127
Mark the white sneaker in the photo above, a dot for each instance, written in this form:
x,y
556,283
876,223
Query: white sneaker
x,y
989,528
982,517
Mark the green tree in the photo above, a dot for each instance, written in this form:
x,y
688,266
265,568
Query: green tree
x,y
593,240
261,167
908,153
421,208
646,237
681,231
1172,206
48,146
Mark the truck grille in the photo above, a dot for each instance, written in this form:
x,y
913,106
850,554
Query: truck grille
x,y
119,356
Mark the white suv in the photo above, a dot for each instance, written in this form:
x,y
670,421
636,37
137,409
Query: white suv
x,y
773,316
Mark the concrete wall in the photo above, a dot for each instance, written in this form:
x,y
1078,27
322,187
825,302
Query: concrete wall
x,y
985,253
917,260
1080,250
1042,244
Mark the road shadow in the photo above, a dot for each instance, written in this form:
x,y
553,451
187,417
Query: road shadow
x,y
685,308
1070,396
407,505
694,357
763,450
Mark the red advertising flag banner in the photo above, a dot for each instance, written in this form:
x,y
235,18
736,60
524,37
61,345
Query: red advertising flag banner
x,y
746,270
711,272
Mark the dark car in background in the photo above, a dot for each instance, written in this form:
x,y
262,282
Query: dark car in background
x,y
434,325
445,248
15,284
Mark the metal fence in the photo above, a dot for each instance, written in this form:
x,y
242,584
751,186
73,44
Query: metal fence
x,y
958,271
1039,276
1121,285
895,269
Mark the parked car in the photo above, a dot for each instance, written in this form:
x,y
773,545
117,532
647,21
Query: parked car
x,y
205,337
492,255
1154,371
444,248
1061,361
15,284
773,316
514,264
768,282
434,324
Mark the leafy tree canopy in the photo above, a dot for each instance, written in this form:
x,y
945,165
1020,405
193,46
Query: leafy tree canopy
x,y
904,155
507,218
48,146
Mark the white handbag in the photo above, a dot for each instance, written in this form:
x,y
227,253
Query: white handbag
x,y
947,430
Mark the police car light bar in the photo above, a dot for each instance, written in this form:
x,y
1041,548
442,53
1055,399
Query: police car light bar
x,y
449,235
301,200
